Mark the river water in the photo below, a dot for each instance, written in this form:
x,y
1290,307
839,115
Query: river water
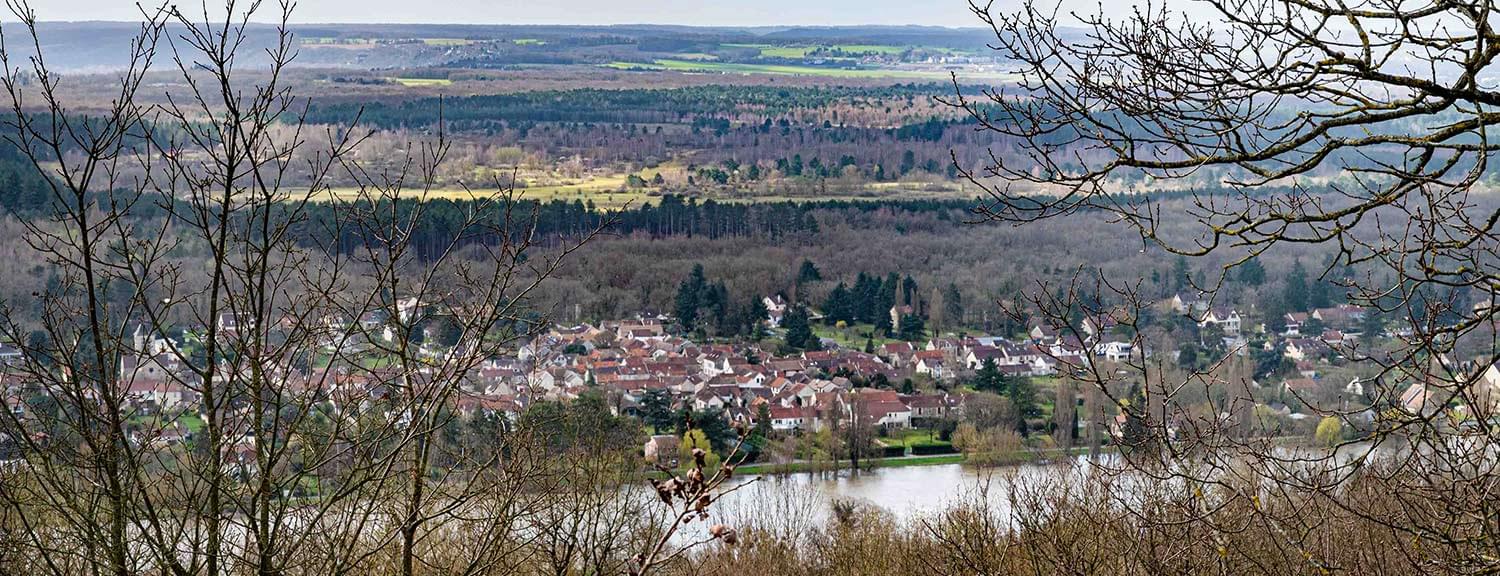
x,y
908,494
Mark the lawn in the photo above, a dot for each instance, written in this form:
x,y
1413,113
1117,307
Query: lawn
x,y
852,337
915,437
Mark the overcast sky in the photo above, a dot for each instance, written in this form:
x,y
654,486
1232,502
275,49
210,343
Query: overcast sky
x,y
694,12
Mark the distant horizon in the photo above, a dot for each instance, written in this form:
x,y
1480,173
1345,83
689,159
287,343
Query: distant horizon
x,y
952,14
759,13
561,24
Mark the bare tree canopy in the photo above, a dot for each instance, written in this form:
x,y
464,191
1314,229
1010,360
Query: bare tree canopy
x,y
1362,126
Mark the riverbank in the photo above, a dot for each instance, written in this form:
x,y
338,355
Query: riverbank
x,y
822,466
1017,458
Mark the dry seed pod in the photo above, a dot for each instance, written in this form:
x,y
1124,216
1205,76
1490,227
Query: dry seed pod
x,y
695,477
699,456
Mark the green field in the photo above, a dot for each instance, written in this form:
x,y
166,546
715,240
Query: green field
x,y
447,41
780,69
850,50
852,337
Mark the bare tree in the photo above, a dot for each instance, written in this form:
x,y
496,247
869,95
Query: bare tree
x,y
1361,126
324,349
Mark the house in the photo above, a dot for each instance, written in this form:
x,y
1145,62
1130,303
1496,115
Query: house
x,y
1227,319
1095,326
1294,322
228,323
933,363
1042,333
9,355
880,408
407,309
1299,349
663,450
1341,316
775,309
1418,400
1355,387
979,354
899,354
1187,303
1299,387
794,418
934,406
1114,351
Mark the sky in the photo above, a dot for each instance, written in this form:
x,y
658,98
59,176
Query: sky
x,y
690,12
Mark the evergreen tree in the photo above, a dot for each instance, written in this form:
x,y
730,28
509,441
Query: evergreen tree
x,y
690,295
886,300
1319,294
839,305
912,328
1252,273
1371,324
808,272
1295,295
953,307
763,420
799,335
1180,274
1023,397
656,410
988,378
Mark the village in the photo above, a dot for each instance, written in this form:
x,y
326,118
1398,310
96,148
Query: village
x,y
897,391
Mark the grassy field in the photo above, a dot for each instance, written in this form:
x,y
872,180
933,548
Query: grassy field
x,y
447,41
605,199
852,337
778,69
794,51
422,82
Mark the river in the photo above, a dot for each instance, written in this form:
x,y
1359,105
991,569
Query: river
x,y
907,493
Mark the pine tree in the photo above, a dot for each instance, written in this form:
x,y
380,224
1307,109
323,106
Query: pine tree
x,y
808,272
839,305
988,378
690,296
1295,295
1180,274
799,335
953,306
656,410
1252,273
1023,397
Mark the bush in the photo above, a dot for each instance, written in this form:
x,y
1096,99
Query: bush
x,y
932,449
